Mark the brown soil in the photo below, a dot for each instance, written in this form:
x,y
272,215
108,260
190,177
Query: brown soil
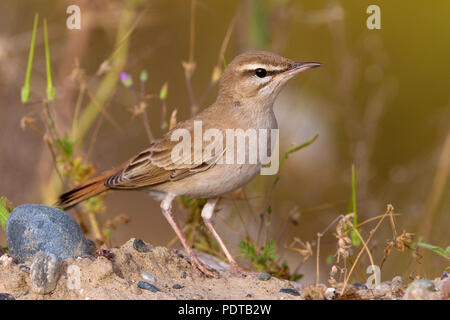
x,y
117,278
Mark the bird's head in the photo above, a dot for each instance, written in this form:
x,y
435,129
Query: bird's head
x,y
258,76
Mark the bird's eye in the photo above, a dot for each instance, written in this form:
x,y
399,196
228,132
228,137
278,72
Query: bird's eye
x,y
260,72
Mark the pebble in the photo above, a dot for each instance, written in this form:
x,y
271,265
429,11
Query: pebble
x,y
147,286
330,293
177,286
264,276
290,291
422,284
184,275
33,227
6,260
360,286
44,272
422,289
397,281
445,288
24,268
140,246
6,296
148,277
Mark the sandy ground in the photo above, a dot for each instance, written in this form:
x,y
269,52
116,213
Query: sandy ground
x,y
117,275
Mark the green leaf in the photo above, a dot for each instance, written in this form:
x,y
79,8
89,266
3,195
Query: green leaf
x,y
50,88
330,258
143,76
290,151
26,89
248,250
65,146
355,239
444,253
269,253
297,148
164,91
5,209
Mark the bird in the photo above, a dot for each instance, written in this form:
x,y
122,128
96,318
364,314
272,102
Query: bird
x,y
247,91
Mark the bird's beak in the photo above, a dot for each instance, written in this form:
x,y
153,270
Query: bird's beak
x,y
302,66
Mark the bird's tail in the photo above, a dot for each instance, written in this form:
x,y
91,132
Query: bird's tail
x,y
84,191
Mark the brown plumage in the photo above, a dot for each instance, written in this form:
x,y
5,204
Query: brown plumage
x,y
247,91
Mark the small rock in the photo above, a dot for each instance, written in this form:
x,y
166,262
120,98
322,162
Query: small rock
x,y
6,296
422,284
330,293
140,245
148,277
444,275
6,260
360,286
290,291
177,286
397,281
197,297
24,268
422,289
397,285
184,275
147,286
44,272
264,276
445,288
32,227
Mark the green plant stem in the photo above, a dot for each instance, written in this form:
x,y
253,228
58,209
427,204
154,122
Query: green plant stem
x,y
108,84
111,79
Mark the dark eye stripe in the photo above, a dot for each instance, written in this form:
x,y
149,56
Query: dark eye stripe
x,y
269,72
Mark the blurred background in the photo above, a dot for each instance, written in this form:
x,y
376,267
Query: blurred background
x,y
381,101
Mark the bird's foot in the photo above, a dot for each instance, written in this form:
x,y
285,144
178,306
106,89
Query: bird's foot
x,y
238,271
202,268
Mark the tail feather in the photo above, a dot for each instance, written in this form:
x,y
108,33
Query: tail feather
x,y
84,191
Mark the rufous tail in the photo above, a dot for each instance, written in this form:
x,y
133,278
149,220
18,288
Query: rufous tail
x,y
85,190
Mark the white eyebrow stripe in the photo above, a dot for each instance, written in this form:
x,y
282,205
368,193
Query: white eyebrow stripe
x,y
254,66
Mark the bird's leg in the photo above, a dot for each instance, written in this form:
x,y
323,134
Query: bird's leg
x,y
207,213
166,207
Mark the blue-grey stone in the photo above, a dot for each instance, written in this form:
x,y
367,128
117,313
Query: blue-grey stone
x,y
147,286
422,284
33,227
6,296
44,272
140,246
264,276
360,286
177,286
290,291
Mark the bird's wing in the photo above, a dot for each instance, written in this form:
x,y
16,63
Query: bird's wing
x,y
155,164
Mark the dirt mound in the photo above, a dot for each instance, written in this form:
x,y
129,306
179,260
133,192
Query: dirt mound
x,y
147,272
